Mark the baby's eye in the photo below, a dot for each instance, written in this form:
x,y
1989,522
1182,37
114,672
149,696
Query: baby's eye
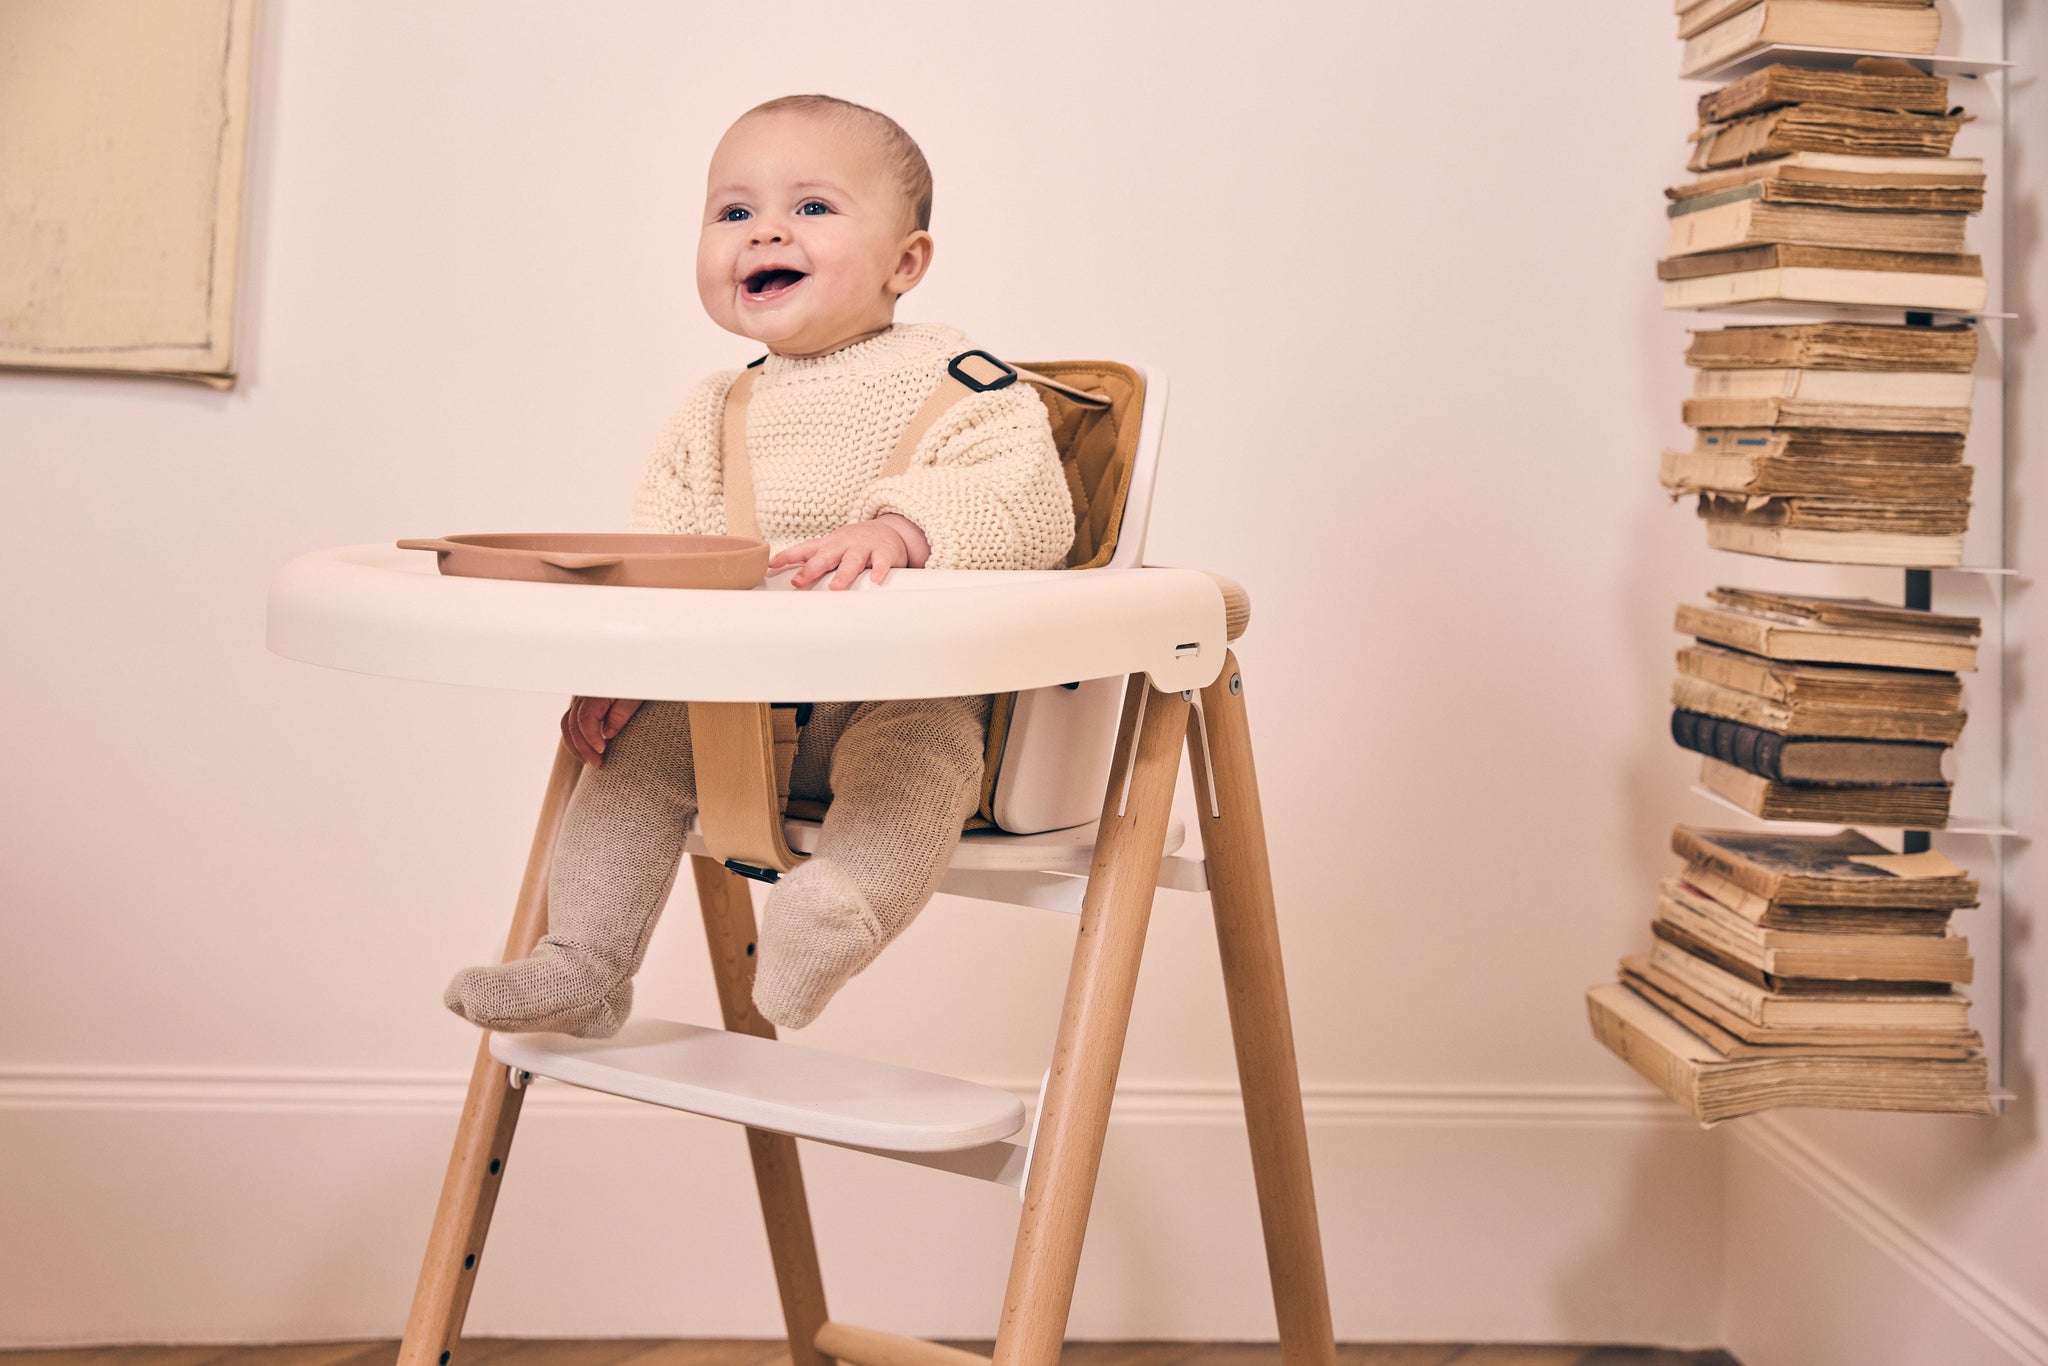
x,y
813,207
733,214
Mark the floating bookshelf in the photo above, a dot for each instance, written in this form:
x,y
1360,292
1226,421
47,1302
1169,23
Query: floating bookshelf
x,y
1978,587
1960,826
1843,58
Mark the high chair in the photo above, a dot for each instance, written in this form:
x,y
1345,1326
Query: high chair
x,y
1113,667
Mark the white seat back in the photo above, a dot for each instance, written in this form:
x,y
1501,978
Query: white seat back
x,y
1061,739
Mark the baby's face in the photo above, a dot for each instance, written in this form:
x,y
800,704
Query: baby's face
x,y
807,240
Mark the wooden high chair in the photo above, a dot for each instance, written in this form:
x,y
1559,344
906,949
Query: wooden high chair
x,y
1155,643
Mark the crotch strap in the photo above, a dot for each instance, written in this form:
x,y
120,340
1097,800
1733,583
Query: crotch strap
x,y
741,754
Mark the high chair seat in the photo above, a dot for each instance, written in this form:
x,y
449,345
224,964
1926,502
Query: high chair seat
x,y
767,1084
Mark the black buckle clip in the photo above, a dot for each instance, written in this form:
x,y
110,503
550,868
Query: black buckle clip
x,y
768,875
1002,380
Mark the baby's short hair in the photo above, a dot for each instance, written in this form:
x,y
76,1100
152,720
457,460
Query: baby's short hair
x,y
913,173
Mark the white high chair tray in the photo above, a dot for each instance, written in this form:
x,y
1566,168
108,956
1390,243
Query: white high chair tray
x,y
768,1084
925,633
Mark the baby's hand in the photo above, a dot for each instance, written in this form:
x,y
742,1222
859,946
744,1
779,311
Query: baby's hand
x,y
889,542
590,721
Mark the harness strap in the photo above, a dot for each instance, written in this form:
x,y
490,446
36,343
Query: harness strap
x,y
738,474
738,751
969,373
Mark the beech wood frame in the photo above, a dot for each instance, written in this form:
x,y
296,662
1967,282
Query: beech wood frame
x,y
1074,1116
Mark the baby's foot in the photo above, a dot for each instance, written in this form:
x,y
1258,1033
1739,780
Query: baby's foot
x,y
553,992
816,933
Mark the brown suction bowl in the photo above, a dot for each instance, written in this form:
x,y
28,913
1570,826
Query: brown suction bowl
x,y
619,561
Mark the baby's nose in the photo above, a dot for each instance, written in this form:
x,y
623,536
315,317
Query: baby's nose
x,y
766,233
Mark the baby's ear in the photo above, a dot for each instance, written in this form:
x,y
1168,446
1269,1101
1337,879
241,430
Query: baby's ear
x,y
913,259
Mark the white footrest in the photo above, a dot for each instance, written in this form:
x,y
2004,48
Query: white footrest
x,y
768,1084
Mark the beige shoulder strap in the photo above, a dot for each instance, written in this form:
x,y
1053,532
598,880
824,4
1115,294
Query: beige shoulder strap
x,y
738,471
978,366
983,369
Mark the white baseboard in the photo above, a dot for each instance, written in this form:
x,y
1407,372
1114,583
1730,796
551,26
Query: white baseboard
x,y
161,1206
1824,1271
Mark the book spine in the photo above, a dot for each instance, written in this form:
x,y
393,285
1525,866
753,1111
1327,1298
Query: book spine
x,y
1761,752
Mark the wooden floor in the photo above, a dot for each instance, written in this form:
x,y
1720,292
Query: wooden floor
x,y
706,1352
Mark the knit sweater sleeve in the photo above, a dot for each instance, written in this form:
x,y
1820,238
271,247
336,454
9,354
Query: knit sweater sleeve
x,y
985,486
682,489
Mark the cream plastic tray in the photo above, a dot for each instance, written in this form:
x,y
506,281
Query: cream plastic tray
x,y
925,633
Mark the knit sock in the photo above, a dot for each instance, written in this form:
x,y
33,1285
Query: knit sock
x,y
816,933
556,990
614,864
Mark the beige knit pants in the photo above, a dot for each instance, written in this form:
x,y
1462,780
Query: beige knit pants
x,y
902,777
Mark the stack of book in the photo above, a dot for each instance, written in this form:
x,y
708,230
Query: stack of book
x,y
1826,187
1834,441
1814,970
1823,709
1720,31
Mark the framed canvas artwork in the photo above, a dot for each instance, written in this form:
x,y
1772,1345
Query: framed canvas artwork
x,y
122,128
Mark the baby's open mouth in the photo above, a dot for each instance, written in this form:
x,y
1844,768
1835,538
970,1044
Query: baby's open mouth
x,y
768,284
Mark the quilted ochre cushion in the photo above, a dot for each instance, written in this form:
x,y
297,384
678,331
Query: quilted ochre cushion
x,y
1097,446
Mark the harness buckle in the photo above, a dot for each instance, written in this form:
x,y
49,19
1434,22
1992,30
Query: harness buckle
x,y
988,372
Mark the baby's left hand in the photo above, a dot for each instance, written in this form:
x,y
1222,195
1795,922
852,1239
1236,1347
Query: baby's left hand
x,y
890,541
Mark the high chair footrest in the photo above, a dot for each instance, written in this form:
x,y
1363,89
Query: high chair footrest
x,y
768,1084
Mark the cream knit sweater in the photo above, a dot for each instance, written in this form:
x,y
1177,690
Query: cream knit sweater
x,y
984,485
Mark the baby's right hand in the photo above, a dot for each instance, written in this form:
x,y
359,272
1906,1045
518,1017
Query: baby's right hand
x,y
591,721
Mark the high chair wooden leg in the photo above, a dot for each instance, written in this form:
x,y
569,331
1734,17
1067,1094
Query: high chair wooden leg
x,y
1248,936
483,1138
1075,1115
729,929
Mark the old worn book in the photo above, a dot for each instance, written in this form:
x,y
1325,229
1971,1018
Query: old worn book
x,y
1778,915
1745,217
1777,182
1832,128
1803,953
1698,1018
1819,443
1950,348
1836,275
1753,475
1875,83
1713,1087
1896,806
1874,213
1811,23
1916,389
1807,413
1847,869
1949,518
1821,630
1805,718
1946,1038
1893,549
1820,687
1796,988
1856,614
1856,1005
1807,759
1843,170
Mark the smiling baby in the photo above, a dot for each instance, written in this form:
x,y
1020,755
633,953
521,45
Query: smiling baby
x,y
816,221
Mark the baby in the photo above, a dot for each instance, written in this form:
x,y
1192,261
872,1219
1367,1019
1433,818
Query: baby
x,y
816,222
